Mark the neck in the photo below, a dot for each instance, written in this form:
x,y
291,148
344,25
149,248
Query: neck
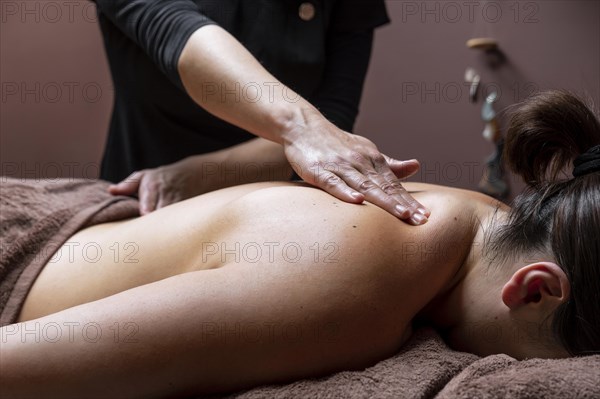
x,y
444,311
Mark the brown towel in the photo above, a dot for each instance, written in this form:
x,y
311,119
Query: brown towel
x,y
427,368
420,370
501,376
36,218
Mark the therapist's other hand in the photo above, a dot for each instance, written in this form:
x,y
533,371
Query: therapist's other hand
x,y
351,168
253,161
166,185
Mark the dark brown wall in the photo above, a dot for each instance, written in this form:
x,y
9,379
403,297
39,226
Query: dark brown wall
x,y
416,103
57,95
56,89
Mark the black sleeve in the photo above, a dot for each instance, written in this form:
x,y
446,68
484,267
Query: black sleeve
x,y
349,45
358,15
348,57
160,27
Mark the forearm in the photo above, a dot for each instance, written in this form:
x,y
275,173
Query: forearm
x,y
195,333
226,80
117,346
258,160
69,354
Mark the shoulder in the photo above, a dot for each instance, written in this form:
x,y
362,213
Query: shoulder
x,y
368,241
456,215
366,233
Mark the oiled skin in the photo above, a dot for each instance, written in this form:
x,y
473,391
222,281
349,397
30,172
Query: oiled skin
x,y
249,285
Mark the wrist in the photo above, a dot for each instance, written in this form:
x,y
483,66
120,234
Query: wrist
x,y
297,121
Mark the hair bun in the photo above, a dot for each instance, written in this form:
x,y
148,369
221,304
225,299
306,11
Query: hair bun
x,y
589,162
546,134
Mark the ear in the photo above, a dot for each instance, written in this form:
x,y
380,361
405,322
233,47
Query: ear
x,y
541,283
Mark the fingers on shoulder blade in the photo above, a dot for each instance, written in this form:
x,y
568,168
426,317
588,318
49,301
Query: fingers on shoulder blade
x,y
337,187
392,187
367,185
385,201
329,180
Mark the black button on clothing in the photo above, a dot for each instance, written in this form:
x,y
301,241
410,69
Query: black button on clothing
x,y
321,54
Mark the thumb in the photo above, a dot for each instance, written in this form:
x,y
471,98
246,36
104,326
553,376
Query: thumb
x,y
403,169
129,186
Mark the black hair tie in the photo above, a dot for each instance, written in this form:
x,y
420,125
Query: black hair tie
x,y
588,162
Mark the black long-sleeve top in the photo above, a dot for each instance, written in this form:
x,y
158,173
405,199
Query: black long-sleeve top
x,y
322,56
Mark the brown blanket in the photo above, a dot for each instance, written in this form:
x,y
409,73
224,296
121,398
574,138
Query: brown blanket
x,y
427,368
37,218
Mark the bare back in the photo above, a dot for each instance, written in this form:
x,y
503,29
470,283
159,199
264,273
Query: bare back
x,y
276,228
254,284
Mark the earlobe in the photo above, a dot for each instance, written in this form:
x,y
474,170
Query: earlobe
x,y
536,283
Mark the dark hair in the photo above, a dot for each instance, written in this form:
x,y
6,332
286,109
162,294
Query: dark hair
x,y
556,214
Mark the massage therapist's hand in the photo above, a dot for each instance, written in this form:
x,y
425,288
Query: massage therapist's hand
x,y
159,187
351,168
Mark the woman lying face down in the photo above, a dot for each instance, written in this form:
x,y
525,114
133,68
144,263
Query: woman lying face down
x,y
273,282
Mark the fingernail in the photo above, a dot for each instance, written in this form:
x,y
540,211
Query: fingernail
x,y
422,211
401,209
355,194
419,219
